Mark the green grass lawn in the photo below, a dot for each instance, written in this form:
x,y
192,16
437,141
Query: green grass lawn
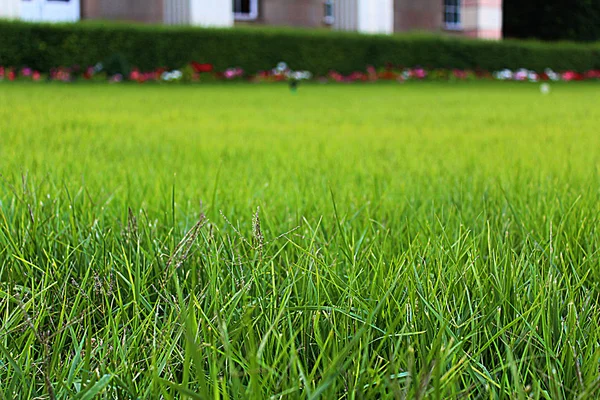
x,y
238,241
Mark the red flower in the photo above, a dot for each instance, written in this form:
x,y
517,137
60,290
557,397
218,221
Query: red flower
x,y
36,76
336,76
387,75
11,75
199,68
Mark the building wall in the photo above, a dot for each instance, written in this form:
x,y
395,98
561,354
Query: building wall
x,y
150,11
10,9
376,16
345,15
422,15
298,13
176,12
479,18
483,19
209,12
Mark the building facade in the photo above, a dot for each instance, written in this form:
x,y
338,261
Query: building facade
x,y
473,18
41,10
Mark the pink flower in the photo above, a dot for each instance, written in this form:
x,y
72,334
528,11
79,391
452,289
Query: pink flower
x,y
35,76
26,71
232,73
371,73
521,74
419,73
134,75
357,76
60,74
458,74
571,76
1,73
116,78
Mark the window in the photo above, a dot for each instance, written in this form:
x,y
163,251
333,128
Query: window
x,y
452,14
329,18
245,10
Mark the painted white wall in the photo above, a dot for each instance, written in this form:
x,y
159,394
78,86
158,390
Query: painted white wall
x,y
10,9
376,16
50,11
489,18
211,13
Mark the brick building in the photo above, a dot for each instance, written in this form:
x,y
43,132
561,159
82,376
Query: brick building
x,y
473,18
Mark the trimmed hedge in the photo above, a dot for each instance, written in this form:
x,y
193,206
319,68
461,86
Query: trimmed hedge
x,y
43,46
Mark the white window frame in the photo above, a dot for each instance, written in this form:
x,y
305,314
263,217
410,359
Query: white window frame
x,y
456,10
329,19
252,15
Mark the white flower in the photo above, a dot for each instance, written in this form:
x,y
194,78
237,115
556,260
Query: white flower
x,y
553,76
532,76
299,75
505,74
281,67
306,75
171,76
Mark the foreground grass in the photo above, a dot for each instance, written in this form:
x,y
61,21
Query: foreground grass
x,y
417,241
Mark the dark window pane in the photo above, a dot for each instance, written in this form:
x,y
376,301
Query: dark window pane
x,y
241,6
328,10
245,7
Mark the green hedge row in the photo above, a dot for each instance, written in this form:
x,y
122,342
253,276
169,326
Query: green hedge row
x,y
43,46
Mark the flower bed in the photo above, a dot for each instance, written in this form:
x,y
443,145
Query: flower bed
x,y
196,72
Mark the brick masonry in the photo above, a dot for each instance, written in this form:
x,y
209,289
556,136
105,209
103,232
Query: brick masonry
x,y
297,13
150,11
423,15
